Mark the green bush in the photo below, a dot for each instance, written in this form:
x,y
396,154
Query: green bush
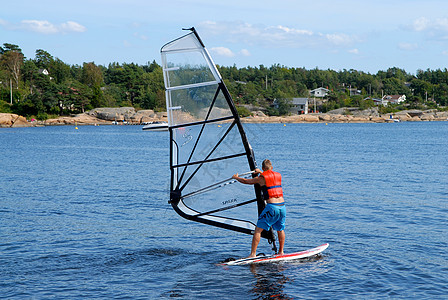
x,y
242,111
42,116
4,107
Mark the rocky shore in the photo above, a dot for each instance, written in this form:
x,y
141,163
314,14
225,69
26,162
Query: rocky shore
x,y
352,115
128,115
98,116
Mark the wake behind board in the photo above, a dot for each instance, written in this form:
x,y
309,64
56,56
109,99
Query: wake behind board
x,y
277,258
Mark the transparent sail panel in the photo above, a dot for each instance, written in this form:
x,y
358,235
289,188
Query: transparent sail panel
x,y
210,175
187,42
187,68
197,144
196,104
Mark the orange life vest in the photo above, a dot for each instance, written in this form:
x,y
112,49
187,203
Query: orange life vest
x,y
273,183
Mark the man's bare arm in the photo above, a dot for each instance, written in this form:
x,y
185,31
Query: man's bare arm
x,y
259,180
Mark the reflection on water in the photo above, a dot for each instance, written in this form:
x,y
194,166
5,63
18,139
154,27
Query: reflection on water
x,y
270,281
270,278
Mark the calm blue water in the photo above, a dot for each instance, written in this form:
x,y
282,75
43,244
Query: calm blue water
x,y
84,214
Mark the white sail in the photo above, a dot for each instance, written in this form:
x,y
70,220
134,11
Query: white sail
x,y
207,141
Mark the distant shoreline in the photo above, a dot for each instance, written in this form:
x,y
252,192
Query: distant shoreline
x,y
140,117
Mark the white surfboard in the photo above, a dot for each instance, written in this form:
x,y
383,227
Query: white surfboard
x,y
276,258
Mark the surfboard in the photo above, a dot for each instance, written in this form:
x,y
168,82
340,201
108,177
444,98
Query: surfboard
x,y
277,258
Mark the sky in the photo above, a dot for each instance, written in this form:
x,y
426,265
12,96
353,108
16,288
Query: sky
x,y
349,34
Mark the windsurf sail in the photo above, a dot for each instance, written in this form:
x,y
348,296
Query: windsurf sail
x,y
208,143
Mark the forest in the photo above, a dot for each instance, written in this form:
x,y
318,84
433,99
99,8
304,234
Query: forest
x,y
45,86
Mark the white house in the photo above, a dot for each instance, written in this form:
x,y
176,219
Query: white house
x,y
377,101
320,92
44,71
299,105
395,99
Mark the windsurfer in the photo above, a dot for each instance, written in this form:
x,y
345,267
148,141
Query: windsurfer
x,y
274,212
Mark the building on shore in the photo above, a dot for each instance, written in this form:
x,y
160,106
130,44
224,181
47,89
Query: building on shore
x,y
299,106
319,92
395,99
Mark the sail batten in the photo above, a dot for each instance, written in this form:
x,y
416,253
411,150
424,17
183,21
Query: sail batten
x,y
209,160
207,141
193,85
203,122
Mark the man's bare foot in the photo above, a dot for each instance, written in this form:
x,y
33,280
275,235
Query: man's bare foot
x,y
251,256
280,253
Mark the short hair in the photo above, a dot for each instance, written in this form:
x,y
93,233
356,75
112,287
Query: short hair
x,y
266,164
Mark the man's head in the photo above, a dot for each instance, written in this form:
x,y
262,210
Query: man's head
x,y
266,165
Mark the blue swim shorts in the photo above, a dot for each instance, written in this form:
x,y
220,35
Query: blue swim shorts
x,y
274,214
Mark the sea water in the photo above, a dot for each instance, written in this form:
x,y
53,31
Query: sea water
x,y
84,214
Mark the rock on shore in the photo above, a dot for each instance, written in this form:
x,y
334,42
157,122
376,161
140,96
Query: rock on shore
x,y
107,115
13,120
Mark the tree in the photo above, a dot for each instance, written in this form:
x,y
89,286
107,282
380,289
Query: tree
x,y
92,75
12,60
60,71
394,86
420,87
43,59
9,47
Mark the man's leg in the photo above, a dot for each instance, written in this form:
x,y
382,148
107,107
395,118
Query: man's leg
x,y
281,241
255,241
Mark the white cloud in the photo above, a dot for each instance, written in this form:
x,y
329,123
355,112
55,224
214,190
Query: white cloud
x,y
223,51
443,24
433,28
421,24
293,30
71,26
340,39
354,51
445,53
44,26
245,52
275,36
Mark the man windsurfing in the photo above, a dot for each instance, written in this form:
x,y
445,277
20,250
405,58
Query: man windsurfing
x,y
274,213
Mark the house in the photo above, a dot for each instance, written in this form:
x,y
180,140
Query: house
x,y
378,101
299,106
320,92
44,71
354,92
395,99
